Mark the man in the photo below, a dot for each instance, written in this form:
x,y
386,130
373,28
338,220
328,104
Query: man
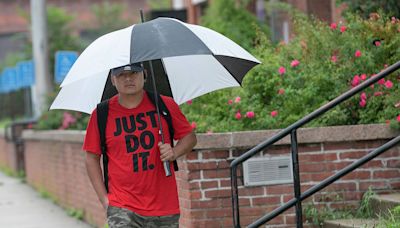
x,y
140,195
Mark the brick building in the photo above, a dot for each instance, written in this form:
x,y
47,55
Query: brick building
x,y
279,22
14,27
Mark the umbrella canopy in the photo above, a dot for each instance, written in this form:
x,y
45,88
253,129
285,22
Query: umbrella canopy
x,y
188,60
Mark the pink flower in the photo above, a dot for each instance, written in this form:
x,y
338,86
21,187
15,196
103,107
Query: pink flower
x,y
381,81
250,114
281,70
189,102
355,81
194,125
237,99
238,116
230,102
363,103
363,96
274,113
68,119
343,28
398,118
363,77
333,26
388,84
377,94
357,53
281,91
209,132
334,58
295,63
377,43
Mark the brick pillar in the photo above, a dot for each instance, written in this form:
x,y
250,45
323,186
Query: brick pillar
x,y
191,12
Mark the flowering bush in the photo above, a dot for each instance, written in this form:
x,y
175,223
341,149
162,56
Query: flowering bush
x,y
61,119
320,63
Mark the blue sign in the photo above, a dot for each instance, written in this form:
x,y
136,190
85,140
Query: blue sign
x,y
64,62
26,73
11,80
2,87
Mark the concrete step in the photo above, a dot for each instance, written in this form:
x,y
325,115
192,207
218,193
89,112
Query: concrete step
x,y
382,204
351,223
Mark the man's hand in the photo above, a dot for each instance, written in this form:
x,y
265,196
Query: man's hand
x,y
166,151
104,202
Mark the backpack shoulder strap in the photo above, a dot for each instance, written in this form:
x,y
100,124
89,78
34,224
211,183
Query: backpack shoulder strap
x,y
102,114
166,115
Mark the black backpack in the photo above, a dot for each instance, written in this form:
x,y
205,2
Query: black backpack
x,y
102,114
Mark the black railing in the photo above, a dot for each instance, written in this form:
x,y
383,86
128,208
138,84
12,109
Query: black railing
x,y
292,131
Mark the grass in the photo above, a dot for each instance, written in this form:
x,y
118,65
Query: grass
x,y
75,213
318,216
11,173
391,220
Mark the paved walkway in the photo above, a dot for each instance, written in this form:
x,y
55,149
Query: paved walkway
x,y
22,207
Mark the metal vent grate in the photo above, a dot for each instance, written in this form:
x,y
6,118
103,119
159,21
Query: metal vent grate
x,y
267,171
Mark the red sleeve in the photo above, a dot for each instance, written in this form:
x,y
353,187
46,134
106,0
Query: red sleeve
x,y
180,124
92,137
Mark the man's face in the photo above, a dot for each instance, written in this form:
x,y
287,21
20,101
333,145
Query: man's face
x,y
128,83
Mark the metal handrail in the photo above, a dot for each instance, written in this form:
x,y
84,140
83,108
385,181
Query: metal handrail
x,y
292,130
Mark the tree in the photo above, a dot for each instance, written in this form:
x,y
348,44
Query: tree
x,y
365,7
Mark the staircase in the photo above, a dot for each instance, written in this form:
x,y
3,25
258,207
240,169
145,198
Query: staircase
x,y
381,204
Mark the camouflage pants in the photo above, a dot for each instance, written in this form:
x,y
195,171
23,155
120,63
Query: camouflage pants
x,y
124,218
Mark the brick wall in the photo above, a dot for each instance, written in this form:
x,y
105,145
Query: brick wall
x,y
56,166
54,162
322,152
8,156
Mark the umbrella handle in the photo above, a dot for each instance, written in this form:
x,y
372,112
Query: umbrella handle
x,y
167,169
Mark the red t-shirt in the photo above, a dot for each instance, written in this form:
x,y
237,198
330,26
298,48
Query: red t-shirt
x,y
137,178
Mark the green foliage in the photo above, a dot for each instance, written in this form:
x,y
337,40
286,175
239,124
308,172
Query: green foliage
x,y
317,79
4,122
60,35
108,17
10,172
45,194
392,220
233,21
365,210
317,215
159,4
61,119
75,213
366,7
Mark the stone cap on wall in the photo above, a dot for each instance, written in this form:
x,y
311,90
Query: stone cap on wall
x,y
247,139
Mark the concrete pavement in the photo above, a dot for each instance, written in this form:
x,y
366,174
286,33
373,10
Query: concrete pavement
x,y
22,207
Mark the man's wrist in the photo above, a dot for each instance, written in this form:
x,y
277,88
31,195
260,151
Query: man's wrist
x,y
173,155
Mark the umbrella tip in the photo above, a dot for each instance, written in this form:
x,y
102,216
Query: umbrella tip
x,y
141,15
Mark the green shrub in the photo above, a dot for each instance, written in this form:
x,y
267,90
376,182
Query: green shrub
x,y
320,63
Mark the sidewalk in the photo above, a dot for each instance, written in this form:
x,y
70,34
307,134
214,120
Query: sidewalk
x,y
22,207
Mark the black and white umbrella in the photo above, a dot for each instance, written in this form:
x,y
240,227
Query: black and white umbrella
x,y
188,60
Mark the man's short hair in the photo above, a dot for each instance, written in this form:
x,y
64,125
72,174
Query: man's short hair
x,y
135,67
